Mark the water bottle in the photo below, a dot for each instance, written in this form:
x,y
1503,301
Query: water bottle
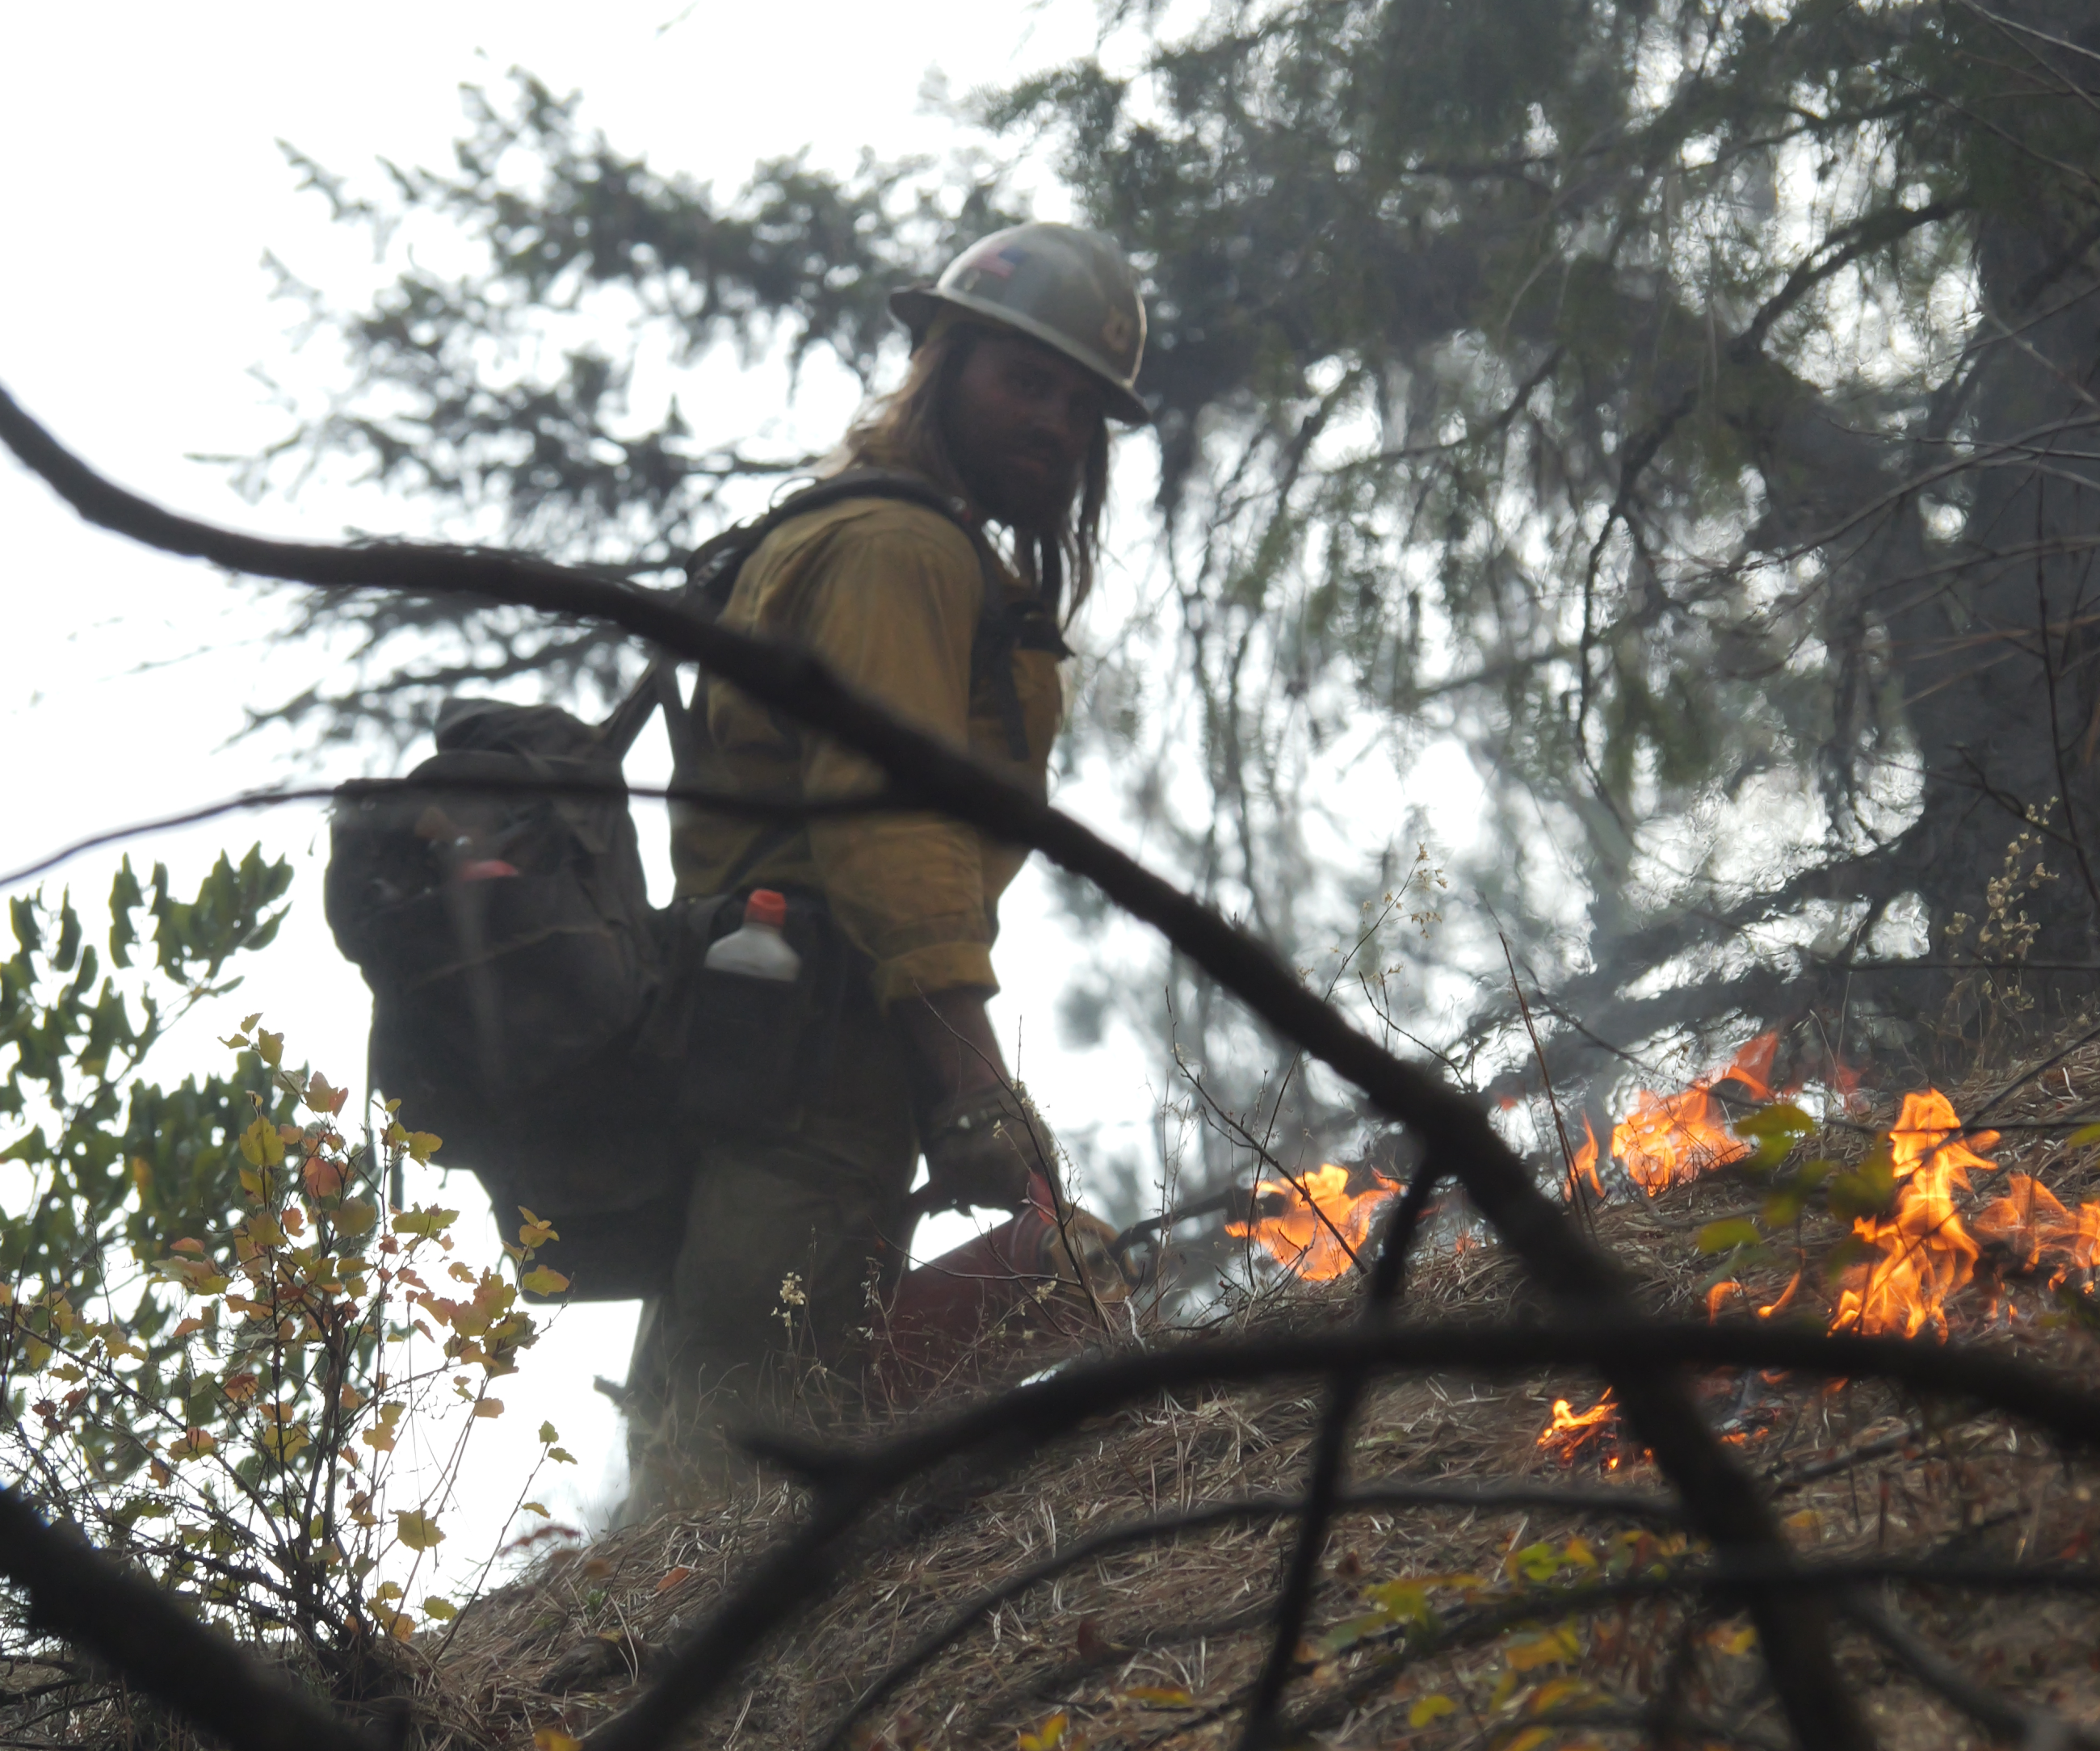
x,y
756,950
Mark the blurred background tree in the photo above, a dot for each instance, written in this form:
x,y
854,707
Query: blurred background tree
x,y
1674,420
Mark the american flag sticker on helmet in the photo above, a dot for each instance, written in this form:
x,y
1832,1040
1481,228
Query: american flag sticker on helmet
x,y
999,263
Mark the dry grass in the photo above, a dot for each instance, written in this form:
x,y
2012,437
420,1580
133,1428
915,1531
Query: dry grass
x,y
1151,1645
1119,1642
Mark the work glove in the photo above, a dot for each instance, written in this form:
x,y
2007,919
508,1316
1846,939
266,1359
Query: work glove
x,y
981,1147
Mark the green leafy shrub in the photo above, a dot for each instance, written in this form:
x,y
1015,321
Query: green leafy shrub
x,y
226,1356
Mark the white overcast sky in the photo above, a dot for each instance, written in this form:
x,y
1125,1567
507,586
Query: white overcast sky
x,y
141,186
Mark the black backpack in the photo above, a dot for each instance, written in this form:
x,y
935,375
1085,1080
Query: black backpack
x,y
530,1006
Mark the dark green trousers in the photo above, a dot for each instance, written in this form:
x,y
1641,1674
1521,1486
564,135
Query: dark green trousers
x,y
790,1228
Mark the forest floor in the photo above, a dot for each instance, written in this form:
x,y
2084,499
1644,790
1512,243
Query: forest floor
x,y
1431,1626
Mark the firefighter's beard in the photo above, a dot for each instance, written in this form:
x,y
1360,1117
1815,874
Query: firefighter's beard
x,y
1028,487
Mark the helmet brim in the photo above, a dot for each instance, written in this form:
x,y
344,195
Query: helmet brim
x,y
917,306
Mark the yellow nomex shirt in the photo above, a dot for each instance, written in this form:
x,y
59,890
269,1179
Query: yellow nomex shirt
x,y
890,594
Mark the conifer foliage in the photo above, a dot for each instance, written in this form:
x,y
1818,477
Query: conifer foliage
x,y
1685,409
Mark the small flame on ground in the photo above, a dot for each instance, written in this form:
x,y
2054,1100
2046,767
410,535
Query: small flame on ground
x,y
1728,1289
2031,1223
1299,1238
1926,1254
1571,1430
1670,1140
1582,1171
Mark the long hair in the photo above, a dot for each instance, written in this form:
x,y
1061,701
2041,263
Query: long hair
x,y
904,429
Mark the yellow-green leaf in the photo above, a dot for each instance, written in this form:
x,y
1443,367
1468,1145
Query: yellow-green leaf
x,y
1550,1648
540,1280
2080,1138
1351,1631
1050,1733
548,1434
261,1144
1431,1708
553,1739
1160,1696
352,1218
417,1529
442,1610
1727,1235
1866,1191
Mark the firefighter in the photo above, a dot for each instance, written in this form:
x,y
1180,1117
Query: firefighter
x,y
1022,352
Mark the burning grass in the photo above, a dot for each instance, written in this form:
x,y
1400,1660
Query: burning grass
x,y
1154,1643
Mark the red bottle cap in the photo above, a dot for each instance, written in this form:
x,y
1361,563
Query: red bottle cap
x,y
765,906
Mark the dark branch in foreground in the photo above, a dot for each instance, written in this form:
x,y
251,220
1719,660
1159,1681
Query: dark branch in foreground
x,y
1720,1499
1330,1455
81,1594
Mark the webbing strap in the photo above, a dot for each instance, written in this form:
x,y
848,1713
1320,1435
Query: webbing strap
x,y
1003,626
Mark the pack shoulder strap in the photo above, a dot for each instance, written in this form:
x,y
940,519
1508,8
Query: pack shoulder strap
x,y
1003,626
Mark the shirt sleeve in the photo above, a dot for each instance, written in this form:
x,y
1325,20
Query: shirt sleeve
x,y
893,608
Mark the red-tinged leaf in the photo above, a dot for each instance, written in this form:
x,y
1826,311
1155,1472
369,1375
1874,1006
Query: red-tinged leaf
x,y
676,1577
194,1444
488,1407
187,1245
185,1327
1090,1644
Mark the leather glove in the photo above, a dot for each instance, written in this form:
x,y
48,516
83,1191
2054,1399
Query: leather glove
x,y
981,1147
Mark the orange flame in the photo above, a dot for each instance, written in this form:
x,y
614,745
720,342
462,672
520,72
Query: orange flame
x,y
1753,1065
1670,1140
1926,1254
1728,1289
1302,1237
2031,1224
1571,1430
1582,1171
